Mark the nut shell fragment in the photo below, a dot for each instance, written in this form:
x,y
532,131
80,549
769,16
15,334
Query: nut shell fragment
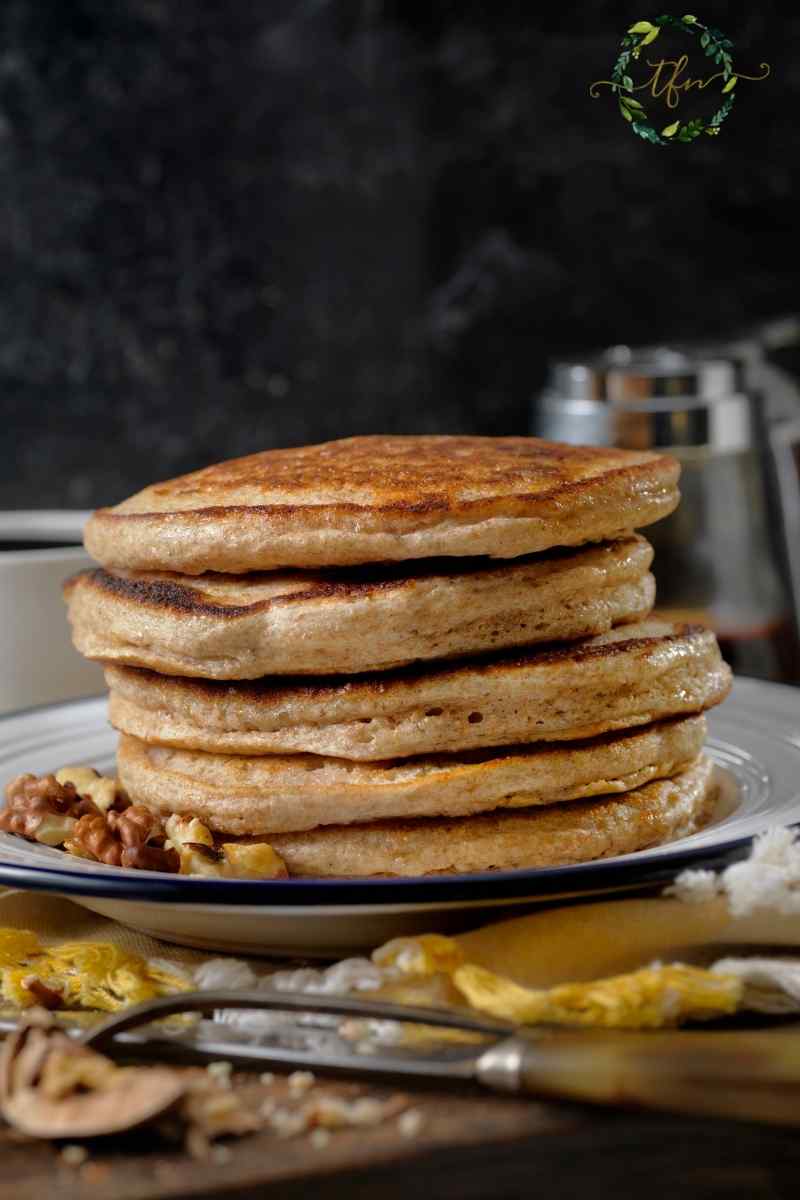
x,y
52,1087
137,1096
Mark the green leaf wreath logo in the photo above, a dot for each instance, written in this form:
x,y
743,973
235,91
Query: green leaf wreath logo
x,y
669,80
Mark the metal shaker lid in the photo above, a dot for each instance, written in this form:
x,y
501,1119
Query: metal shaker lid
x,y
658,396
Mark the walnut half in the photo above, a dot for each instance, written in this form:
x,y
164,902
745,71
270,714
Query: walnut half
x,y
41,810
133,838
47,809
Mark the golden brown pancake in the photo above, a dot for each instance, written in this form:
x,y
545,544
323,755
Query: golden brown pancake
x,y
277,794
557,836
629,677
357,619
376,499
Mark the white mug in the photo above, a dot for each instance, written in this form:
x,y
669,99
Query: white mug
x,y
38,663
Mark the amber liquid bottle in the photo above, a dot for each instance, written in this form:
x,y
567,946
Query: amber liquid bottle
x,y
718,557
718,563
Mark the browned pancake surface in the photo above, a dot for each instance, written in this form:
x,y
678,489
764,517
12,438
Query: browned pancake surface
x,y
276,794
346,620
384,498
555,836
629,677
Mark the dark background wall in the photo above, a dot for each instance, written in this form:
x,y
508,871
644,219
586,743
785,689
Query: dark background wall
x,y
225,226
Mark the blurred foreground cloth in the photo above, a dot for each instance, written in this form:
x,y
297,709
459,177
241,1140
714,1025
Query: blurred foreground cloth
x,y
55,919
717,945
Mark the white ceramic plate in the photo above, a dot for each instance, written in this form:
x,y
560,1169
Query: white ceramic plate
x,y
755,740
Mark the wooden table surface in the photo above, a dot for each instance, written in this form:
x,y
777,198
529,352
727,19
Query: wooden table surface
x,y
471,1144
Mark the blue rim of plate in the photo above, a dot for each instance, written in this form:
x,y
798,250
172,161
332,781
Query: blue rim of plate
x,y
586,878
486,886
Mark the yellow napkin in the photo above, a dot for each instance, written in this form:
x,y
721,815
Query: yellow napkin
x,y
50,948
56,919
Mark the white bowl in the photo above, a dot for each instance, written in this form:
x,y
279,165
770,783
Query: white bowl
x,y
38,663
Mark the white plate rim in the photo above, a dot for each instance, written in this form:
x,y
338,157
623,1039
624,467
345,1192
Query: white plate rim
x,y
644,868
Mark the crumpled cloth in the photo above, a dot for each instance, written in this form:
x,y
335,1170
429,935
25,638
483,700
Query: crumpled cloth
x,y
744,924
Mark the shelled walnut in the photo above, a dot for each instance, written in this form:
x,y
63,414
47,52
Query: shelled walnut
x,y
91,817
41,810
133,838
47,809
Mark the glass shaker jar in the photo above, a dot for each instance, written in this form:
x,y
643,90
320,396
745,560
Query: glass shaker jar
x,y
718,556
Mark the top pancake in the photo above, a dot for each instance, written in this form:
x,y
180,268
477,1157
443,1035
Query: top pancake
x,y
374,499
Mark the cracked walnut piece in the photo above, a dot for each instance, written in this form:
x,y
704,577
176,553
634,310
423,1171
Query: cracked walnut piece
x,y
52,1087
232,860
103,790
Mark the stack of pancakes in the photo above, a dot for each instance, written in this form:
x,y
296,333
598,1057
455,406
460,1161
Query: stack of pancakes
x,y
404,655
